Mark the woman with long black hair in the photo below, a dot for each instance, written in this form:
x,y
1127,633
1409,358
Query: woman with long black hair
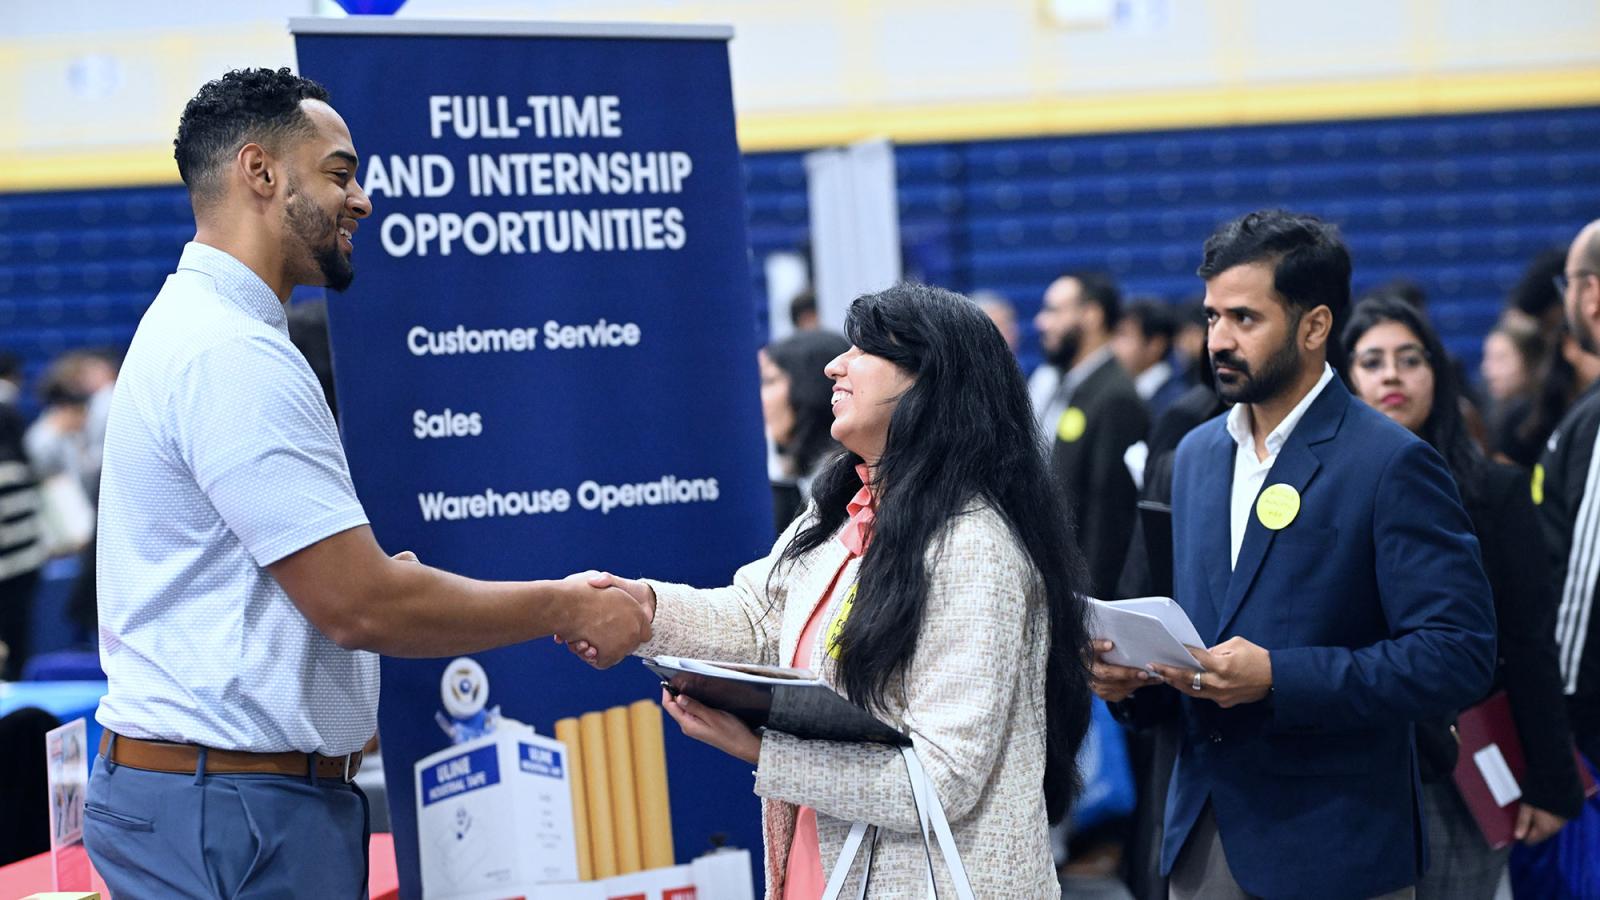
x,y
933,581
1398,366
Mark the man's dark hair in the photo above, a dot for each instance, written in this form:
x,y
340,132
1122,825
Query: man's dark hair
x,y
1535,292
58,390
245,105
803,303
1403,289
1310,263
1155,318
1101,290
1192,312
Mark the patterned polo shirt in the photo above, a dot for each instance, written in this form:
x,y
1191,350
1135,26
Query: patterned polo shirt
x,y
221,458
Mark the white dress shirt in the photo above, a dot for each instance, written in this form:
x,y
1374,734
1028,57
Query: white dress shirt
x,y
221,458
1150,380
1249,473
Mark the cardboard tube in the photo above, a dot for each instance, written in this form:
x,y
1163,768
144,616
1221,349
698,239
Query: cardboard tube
x,y
597,784
650,782
624,802
567,733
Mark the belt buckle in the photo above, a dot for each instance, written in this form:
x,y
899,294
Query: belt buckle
x,y
346,776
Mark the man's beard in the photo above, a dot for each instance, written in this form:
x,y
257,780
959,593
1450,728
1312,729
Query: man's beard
x,y
1581,332
1276,374
1066,350
307,224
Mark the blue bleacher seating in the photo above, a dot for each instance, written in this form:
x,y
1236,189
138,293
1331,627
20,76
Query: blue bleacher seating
x,y
1456,203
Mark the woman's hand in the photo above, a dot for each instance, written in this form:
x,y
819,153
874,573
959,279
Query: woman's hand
x,y
724,731
1535,825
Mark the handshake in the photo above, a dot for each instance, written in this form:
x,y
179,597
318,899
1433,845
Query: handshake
x,y
430,612
610,616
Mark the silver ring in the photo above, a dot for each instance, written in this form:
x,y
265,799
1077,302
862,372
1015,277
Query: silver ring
x,y
1195,685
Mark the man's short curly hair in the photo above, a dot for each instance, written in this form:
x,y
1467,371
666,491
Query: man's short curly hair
x,y
244,105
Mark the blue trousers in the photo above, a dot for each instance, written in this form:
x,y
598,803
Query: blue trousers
x,y
157,835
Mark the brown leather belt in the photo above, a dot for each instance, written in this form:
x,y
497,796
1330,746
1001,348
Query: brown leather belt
x,y
184,759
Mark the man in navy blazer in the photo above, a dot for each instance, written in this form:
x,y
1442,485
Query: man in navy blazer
x,y
1324,554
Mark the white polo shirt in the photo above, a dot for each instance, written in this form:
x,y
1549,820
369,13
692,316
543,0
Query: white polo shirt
x,y
1250,473
221,458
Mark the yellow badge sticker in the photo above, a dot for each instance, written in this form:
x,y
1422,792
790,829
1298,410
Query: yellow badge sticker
x,y
1277,506
1071,424
1537,484
837,628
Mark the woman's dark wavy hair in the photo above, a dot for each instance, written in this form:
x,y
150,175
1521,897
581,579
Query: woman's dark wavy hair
x,y
1444,428
963,431
802,356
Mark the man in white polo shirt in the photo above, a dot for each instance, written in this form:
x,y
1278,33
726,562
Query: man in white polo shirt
x,y
243,599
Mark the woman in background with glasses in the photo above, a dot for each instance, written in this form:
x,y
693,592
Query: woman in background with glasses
x,y
1394,366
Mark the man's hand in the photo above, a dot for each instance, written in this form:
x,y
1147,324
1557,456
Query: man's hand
x,y
1535,825
1236,671
642,594
606,623
1113,683
722,730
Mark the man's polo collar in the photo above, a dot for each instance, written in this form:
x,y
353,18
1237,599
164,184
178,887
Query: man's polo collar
x,y
235,281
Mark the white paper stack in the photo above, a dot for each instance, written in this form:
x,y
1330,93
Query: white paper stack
x,y
1145,630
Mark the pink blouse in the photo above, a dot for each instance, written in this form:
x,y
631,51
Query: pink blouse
x,y
803,878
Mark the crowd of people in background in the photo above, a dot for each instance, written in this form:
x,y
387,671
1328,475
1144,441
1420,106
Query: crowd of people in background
x,y
1124,380
49,481
50,476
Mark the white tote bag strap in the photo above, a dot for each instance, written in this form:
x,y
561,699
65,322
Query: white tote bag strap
x,y
847,858
929,812
929,808
919,799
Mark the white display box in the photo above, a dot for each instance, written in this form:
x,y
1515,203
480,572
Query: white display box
x,y
724,875
494,817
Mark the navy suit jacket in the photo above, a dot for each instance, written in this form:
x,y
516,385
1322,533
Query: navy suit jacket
x,y
1375,608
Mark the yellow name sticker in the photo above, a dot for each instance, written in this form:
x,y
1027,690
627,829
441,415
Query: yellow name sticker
x,y
1071,424
1536,486
1277,506
837,628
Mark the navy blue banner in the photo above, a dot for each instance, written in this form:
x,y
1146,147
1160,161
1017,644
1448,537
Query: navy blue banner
x,y
547,360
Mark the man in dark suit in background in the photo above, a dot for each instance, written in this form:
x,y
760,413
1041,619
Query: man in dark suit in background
x,y
1087,405
1567,491
1323,553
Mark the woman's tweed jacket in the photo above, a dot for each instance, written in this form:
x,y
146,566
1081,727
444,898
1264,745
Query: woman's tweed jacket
x,y
972,697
